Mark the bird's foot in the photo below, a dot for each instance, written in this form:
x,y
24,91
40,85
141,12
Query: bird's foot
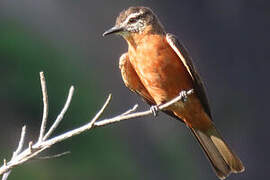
x,y
183,95
154,109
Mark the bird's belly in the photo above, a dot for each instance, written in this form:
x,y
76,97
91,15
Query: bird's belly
x,y
162,73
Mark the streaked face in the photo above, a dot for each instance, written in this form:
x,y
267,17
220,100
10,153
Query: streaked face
x,y
133,20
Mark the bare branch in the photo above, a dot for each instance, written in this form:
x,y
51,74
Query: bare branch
x,y
34,149
5,176
131,110
53,156
30,146
101,110
45,106
21,142
15,153
61,115
176,99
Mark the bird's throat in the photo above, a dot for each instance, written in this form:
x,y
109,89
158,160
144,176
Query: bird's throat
x,y
135,39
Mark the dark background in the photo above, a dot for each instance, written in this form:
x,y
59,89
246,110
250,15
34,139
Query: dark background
x,y
228,40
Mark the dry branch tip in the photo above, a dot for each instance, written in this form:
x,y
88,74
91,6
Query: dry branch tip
x,y
19,157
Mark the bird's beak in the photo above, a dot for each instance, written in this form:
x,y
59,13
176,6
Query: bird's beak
x,y
113,30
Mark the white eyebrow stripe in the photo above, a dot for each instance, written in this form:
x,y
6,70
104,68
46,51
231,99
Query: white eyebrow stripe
x,y
132,16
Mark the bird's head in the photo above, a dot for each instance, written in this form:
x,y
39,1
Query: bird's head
x,y
135,20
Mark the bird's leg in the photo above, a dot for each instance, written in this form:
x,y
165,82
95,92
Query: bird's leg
x,y
154,109
183,95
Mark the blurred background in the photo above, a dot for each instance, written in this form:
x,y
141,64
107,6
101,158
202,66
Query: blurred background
x,y
228,40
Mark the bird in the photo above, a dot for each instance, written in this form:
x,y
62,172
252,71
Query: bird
x,y
158,67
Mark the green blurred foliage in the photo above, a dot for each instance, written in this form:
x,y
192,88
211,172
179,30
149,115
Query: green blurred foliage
x,y
218,35
97,154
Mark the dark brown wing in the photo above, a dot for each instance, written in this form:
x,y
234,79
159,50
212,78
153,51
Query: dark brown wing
x,y
186,60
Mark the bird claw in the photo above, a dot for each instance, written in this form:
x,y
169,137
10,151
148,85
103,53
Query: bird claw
x,y
183,95
154,109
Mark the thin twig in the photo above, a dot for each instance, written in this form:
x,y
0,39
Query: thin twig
x,y
53,156
130,110
101,110
45,106
61,115
176,99
34,149
5,176
21,142
18,150
140,114
30,146
39,147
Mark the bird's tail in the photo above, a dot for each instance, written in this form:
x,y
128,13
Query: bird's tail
x,y
222,158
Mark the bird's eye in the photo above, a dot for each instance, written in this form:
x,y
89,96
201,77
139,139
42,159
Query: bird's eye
x,y
132,20
140,16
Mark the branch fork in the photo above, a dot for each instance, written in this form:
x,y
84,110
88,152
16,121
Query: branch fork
x,y
21,156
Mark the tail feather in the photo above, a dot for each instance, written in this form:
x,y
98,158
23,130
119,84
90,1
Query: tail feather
x,y
222,158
